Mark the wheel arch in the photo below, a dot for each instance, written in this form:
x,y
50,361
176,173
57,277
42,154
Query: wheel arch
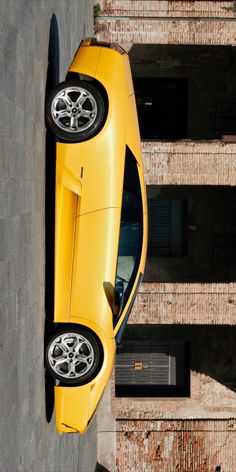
x,y
107,341
78,76
71,325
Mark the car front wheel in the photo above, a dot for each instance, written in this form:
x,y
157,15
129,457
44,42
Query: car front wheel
x,y
73,356
75,110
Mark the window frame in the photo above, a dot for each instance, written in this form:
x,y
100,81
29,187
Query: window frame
x,y
179,387
130,160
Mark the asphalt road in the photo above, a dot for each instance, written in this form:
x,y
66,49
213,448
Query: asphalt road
x,y
37,41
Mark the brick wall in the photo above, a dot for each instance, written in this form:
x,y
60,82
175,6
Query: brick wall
x,y
185,303
189,163
163,8
170,22
175,31
181,446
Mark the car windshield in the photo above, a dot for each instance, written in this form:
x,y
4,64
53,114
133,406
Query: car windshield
x,y
130,242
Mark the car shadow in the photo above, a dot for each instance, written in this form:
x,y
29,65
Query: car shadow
x,y
100,468
50,164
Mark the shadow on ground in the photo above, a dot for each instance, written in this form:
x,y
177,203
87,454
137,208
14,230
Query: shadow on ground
x,y
100,468
50,148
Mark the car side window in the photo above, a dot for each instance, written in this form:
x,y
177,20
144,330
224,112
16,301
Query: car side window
x,y
130,240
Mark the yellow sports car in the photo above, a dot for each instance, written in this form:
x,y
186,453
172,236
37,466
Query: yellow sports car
x,y
100,225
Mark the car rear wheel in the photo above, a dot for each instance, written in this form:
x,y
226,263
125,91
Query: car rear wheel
x,y
75,110
73,356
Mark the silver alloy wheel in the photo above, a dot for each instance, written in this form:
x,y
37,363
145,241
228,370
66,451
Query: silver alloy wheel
x,y
71,355
74,109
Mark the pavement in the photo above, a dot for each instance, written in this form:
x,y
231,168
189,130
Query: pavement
x,y
38,39
106,433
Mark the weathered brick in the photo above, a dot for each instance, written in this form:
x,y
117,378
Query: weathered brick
x,y
169,31
185,303
165,8
189,163
168,446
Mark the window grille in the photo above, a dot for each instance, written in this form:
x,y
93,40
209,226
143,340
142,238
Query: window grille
x,y
148,368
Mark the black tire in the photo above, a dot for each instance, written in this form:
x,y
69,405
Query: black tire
x,y
90,349
64,99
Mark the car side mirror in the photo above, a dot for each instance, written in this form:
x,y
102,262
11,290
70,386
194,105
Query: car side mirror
x,y
118,298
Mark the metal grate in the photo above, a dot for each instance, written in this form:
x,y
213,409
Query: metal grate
x,y
146,364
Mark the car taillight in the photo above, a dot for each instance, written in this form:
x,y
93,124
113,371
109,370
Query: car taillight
x,y
118,48
88,41
104,44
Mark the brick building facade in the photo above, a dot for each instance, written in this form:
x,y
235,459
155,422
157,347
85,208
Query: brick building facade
x,y
183,52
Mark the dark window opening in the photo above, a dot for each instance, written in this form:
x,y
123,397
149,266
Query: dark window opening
x,y
192,234
167,225
152,368
162,107
224,248
185,91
